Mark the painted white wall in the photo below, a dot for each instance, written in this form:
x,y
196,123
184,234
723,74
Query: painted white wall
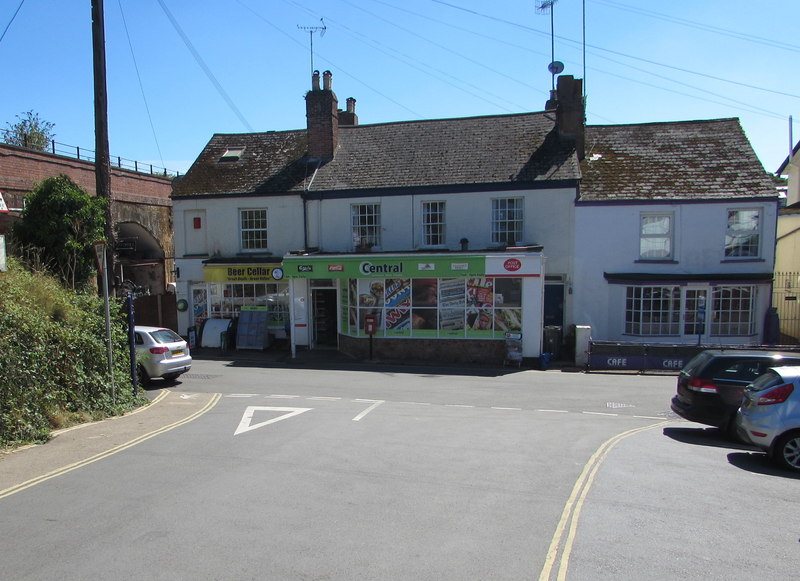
x,y
548,218
284,222
607,240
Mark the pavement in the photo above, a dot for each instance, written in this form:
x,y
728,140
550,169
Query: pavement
x,y
74,447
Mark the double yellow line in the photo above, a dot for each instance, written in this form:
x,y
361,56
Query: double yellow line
x,y
110,452
568,524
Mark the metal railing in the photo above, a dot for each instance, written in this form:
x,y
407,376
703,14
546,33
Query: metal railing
x,y
72,151
786,299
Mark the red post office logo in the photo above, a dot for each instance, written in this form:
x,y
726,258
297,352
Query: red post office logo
x,y
512,264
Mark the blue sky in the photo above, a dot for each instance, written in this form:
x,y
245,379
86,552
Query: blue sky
x,y
182,70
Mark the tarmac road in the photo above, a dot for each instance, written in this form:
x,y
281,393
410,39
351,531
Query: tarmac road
x,y
397,474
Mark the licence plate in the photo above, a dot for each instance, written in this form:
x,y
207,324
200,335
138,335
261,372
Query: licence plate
x,y
178,352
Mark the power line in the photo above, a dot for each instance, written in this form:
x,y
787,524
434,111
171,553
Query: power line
x,y
294,40
651,62
701,26
141,85
13,16
204,66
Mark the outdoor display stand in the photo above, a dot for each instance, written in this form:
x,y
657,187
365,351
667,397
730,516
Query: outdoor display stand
x,y
252,330
513,349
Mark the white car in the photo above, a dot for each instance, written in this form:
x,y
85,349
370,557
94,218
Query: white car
x,y
161,353
769,417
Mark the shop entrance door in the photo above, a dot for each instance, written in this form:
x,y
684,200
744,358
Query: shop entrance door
x,y
324,308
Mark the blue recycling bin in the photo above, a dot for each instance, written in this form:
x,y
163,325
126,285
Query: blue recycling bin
x,y
544,361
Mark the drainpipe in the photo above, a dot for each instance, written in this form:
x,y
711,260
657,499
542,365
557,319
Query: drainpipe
x,y
305,200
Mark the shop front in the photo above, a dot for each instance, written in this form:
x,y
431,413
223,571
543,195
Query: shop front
x,y
444,307
228,289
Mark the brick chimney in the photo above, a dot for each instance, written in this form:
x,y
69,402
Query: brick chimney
x,y
570,114
322,118
349,117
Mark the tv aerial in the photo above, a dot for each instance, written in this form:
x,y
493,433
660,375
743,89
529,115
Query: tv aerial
x,y
555,67
311,30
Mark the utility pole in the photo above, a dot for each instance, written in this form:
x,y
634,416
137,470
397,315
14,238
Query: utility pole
x,y
102,157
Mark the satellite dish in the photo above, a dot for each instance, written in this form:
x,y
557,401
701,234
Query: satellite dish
x,y
555,67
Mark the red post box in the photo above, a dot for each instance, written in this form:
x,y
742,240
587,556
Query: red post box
x,y
370,324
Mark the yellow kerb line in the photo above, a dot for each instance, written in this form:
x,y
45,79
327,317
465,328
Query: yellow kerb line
x,y
572,510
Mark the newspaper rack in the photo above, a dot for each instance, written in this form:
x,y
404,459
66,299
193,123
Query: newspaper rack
x,y
513,349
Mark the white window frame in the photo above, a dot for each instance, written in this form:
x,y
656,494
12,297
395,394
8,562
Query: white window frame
x,y
433,223
508,221
690,311
733,311
736,230
651,236
365,221
252,229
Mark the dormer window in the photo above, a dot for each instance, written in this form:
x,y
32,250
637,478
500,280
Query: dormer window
x,y
231,154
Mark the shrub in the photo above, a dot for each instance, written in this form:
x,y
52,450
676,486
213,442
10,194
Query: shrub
x,y
53,357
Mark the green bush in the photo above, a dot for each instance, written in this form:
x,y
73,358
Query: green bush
x,y
53,357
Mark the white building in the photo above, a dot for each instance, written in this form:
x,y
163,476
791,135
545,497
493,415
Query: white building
x,y
454,232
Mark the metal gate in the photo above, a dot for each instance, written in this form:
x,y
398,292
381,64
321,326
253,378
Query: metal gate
x,y
786,299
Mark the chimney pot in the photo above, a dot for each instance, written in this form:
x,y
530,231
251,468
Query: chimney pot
x,y
351,105
326,80
315,81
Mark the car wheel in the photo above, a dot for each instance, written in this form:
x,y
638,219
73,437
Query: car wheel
x,y
787,450
144,378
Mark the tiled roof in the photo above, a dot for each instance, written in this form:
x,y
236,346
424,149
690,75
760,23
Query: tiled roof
x,y
666,161
505,150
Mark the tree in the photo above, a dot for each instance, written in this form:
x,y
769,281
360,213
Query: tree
x,y
58,226
29,131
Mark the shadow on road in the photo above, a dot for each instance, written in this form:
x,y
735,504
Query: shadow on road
x,y
759,463
713,437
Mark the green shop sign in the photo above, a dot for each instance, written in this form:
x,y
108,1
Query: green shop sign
x,y
422,266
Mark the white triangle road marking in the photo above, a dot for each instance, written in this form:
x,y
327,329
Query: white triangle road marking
x,y
246,426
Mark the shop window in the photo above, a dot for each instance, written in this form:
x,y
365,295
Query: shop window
x,y
733,310
432,307
674,311
652,310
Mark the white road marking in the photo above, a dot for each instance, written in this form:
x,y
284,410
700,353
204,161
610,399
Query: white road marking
x,y
276,396
246,426
499,408
455,405
599,414
241,395
648,418
554,411
189,396
414,402
369,409
323,398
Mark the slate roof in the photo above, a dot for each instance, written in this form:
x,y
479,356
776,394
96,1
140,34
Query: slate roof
x,y
503,151
684,160
699,160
